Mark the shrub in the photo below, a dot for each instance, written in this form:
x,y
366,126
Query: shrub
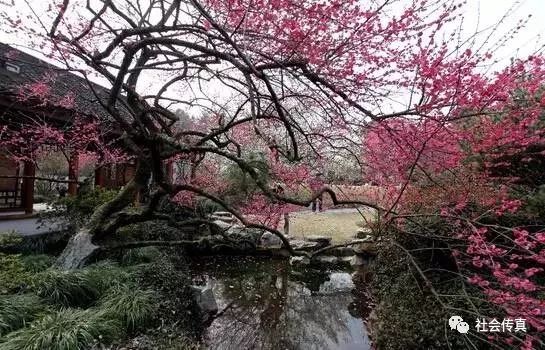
x,y
146,231
68,288
240,184
140,256
8,240
409,314
66,329
132,306
170,279
75,211
17,310
13,275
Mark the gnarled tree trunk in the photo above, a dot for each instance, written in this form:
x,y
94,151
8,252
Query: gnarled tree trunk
x,y
83,245
79,250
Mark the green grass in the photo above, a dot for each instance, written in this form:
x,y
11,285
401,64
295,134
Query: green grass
x,y
67,329
67,288
106,274
37,262
83,308
9,239
79,287
13,274
17,310
132,306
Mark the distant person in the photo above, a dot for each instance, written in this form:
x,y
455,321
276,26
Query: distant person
x,y
316,183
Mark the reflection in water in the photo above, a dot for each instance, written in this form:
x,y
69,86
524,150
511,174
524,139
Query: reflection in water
x,y
272,306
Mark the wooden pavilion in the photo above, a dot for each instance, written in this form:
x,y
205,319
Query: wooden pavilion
x,y
17,179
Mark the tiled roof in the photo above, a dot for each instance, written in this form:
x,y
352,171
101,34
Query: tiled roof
x,y
18,69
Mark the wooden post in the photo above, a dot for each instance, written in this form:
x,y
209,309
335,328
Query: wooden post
x,y
29,171
73,174
286,224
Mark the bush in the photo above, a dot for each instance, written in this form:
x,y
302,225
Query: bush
x,y
68,288
170,279
66,329
8,240
408,315
13,275
146,231
240,184
132,306
17,310
140,256
75,211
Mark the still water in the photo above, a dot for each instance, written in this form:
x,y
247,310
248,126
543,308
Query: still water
x,y
271,305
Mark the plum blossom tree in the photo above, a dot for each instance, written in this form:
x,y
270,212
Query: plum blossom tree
x,y
472,169
295,80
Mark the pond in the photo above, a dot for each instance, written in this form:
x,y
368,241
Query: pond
x,y
268,304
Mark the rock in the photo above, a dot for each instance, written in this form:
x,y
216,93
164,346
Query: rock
x,y
222,213
364,232
223,216
299,244
221,226
206,301
323,241
342,251
345,259
327,259
299,260
279,252
269,240
356,261
338,282
228,220
368,248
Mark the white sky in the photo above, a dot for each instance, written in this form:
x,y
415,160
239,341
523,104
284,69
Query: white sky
x,y
481,14
486,13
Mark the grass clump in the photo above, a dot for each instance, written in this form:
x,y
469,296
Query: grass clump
x,y
67,288
9,240
66,329
106,274
17,310
13,275
37,262
132,306
79,287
